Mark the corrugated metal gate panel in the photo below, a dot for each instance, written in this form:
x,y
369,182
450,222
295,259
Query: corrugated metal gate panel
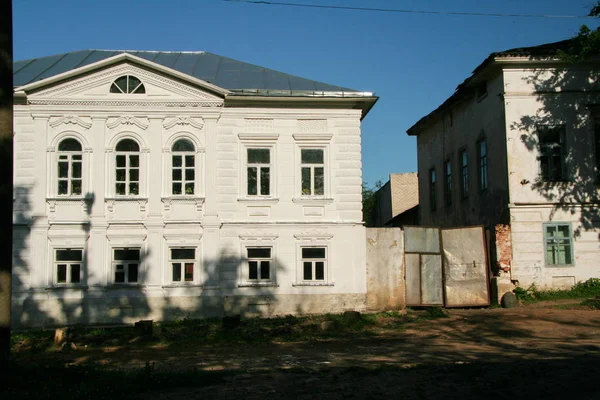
x,y
423,261
431,280
447,267
465,267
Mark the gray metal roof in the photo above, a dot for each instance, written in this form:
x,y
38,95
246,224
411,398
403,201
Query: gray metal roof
x,y
224,72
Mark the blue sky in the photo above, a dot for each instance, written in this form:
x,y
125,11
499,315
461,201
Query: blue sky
x,y
412,61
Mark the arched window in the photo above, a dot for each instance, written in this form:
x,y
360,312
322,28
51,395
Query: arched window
x,y
127,84
69,167
127,160
183,167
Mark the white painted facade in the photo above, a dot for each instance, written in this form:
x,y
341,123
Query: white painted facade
x,y
523,97
217,218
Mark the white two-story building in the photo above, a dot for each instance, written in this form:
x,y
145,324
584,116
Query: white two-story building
x,y
159,185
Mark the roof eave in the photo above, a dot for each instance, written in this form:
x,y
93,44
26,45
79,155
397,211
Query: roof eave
x,y
361,100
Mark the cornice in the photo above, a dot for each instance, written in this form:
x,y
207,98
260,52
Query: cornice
x,y
129,103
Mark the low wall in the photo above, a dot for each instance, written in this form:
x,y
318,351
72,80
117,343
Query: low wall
x,y
385,269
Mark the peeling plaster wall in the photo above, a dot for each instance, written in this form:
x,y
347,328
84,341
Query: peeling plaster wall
x,y
385,269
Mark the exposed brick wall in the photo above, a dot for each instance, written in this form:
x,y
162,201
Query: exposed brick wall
x,y
503,249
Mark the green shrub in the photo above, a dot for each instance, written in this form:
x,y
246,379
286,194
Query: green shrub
x,y
589,288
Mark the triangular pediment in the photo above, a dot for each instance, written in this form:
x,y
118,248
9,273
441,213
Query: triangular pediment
x,y
93,85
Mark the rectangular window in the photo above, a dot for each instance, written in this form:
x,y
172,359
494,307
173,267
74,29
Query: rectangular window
x,y
259,172
558,241
432,189
464,174
314,263
183,263
483,164
69,174
68,264
312,170
128,174
184,174
448,182
259,263
126,264
552,153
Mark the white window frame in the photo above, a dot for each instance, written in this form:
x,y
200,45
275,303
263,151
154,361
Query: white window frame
x,y
258,141
68,267
250,241
313,145
126,264
194,261
555,239
183,154
247,260
315,241
258,167
128,168
53,159
313,261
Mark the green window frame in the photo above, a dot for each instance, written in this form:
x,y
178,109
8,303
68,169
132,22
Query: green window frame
x,y
558,244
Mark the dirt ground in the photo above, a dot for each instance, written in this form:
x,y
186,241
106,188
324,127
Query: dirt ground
x,y
545,350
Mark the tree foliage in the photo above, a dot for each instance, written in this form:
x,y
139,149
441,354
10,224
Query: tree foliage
x,y
369,200
587,41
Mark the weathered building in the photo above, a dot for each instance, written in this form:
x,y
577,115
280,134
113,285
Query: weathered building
x,y
518,144
168,184
397,201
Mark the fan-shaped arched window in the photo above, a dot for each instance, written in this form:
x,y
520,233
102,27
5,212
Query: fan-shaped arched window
x,y
127,84
184,162
69,167
127,160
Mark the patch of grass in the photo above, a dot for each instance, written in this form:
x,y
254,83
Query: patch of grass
x,y
589,288
85,382
593,304
189,331
435,313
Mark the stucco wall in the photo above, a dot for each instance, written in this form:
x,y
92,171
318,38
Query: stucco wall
x,y
385,269
219,220
443,138
550,97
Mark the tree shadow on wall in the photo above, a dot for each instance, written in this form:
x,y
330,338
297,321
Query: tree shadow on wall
x,y
39,301
567,96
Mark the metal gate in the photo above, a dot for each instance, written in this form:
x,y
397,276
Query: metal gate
x,y
446,267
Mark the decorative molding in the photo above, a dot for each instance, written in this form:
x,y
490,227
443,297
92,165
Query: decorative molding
x,y
247,136
111,201
313,284
85,203
169,201
314,201
312,125
71,119
255,235
127,68
312,136
258,125
182,238
127,120
313,235
197,123
131,103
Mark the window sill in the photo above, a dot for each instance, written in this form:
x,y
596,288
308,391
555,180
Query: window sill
x,y
313,284
258,199
182,198
318,200
561,266
126,198
69,198
258,284
182,285
66,287
125,286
